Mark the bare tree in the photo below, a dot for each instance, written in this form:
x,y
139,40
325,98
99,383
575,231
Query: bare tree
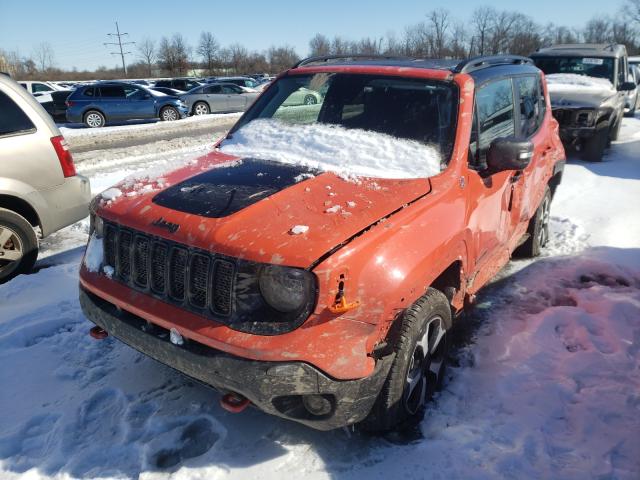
x,y
173,54
439,20
319,45
281,58
633,9
147,54
482,21
238,58
208,49
43,54
598,30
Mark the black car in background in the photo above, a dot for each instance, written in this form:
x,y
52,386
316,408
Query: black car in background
x,y
182,84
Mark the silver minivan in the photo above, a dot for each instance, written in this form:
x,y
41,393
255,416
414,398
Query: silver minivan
x,y
40,191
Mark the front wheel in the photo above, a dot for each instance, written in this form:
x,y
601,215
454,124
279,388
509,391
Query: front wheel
x,y
416,373
18,245
593,148
538,230
169,114
310,100
201,108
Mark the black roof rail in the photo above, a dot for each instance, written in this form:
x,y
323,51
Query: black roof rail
x,y
326,58
478,63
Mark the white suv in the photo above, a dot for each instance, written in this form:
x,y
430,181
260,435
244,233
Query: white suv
x,y
40,191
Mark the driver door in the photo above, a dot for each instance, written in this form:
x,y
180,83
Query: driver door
x,y
489,194
139,103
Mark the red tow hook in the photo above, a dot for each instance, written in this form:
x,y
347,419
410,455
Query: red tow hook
x,y
234,402
98,333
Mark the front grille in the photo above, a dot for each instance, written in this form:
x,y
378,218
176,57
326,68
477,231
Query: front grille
x,y
190,278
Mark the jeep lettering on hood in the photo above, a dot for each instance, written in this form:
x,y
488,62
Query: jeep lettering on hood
x,y
247,208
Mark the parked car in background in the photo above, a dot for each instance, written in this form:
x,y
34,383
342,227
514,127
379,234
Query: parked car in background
x,y
40,191
182,84
303,96
39,88
635,61
218,98
167,91
57,107
324,298
588,85
632,102
247,82
101,103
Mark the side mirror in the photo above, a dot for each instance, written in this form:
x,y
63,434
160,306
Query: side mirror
x,y
627,87
509,154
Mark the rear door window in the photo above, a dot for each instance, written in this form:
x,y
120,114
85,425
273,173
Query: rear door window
x,y
529,105
213,89
13,120
113,91
494,103
41,87
89,92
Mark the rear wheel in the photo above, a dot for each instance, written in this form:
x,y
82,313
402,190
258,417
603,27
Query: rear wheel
x,y
169,114
417,370
593,148
538,230
94,119
18,245
201,108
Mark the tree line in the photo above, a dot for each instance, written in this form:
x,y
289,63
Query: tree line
x,y
487,31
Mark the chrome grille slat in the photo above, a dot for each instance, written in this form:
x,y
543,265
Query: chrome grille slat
x,y
196,280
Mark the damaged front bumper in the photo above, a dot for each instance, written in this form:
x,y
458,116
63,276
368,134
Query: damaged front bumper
x,y
278,388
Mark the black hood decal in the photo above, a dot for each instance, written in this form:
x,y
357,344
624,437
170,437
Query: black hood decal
x,y
225,190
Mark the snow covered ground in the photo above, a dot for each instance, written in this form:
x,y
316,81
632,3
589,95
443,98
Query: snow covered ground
x,y
545,381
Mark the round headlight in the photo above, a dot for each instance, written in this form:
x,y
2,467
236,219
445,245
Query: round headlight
x,y
285,289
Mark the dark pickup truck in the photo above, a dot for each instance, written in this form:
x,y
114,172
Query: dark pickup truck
x,y
587,86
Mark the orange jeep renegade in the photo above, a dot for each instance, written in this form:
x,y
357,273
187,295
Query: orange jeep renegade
x,y
313,262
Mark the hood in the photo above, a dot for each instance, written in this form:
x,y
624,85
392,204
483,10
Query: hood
x,y
257,210
579,91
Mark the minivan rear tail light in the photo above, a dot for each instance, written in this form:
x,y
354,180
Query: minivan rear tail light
x,y
64,155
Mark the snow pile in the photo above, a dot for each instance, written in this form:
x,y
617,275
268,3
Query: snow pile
x,y
94,254
111,194
563,81
299,229
349,153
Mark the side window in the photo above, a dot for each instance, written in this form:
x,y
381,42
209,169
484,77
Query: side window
x,y
473,142
213,89
112,92
542,101
231,89
528,98
494,104
180,84
13,119
88,92
41,87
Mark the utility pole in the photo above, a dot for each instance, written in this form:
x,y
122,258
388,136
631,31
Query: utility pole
x,y
120,43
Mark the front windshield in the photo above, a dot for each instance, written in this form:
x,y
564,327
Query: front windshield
x,y
406,108
589,66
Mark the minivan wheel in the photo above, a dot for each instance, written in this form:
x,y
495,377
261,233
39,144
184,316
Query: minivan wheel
x,y
538,230
18,245
201,108
169,114
421,350
94,119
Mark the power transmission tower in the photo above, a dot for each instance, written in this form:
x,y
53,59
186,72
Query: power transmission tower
x,y
120,43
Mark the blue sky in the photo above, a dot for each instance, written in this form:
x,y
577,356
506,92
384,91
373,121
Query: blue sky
x,y
77,31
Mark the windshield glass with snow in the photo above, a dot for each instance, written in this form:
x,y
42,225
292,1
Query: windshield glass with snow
x,y
589,66
418,110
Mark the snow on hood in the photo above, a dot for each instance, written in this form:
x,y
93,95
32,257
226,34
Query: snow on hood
x,y
559,81
348,153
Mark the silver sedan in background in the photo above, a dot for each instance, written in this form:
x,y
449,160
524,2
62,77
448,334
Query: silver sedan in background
x,y
218,98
